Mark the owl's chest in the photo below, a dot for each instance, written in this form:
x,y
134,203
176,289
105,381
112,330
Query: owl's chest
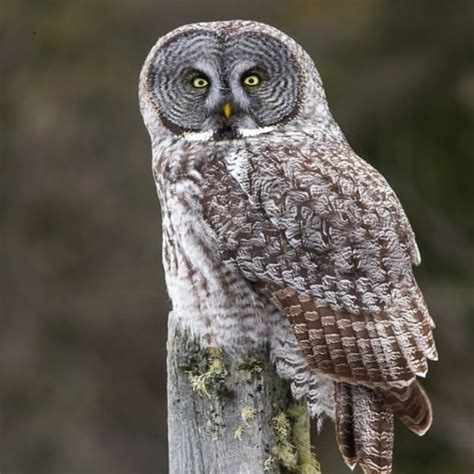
x,y
208,292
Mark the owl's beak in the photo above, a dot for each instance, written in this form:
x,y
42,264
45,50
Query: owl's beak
x,y
227,110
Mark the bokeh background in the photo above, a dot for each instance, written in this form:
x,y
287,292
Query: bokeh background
x,y
83,306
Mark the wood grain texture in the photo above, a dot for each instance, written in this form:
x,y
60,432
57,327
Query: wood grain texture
x,y
202,427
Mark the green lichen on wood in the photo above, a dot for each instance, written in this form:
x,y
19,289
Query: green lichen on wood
x,y
210,376
247,414
207,370
268,463
307,461
284,450
239,432
251,365
293,446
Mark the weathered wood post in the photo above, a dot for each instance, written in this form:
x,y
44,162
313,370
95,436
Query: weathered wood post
x,y
231,416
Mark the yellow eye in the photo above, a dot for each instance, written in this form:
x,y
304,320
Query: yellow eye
x,y
200,82
252,80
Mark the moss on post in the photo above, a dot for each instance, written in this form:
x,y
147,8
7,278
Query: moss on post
x,y
231,415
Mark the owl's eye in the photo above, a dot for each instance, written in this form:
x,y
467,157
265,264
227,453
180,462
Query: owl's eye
x,y
251,80
200,82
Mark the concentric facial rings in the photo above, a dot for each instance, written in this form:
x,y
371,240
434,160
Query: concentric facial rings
x,y
194,73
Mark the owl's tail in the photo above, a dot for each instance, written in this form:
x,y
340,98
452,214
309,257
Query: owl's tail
x,y
412,406
364,428
364,422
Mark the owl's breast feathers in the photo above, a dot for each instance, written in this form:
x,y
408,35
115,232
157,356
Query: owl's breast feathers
x,y
321,233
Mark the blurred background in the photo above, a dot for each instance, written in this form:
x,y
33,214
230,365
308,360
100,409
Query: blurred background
x,y
83,305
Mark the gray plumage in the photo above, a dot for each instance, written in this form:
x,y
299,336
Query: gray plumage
x,y
275,231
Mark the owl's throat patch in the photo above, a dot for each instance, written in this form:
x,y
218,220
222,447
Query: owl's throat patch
x,y
226,132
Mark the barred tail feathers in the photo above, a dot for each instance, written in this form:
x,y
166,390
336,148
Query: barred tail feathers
x,y
364,428
412,406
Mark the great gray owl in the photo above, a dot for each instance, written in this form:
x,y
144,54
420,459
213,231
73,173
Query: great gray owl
x,y
275,232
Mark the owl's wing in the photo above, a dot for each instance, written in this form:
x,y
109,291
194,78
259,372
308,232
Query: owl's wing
x,y
324,236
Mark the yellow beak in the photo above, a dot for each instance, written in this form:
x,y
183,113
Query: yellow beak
x,y
227,110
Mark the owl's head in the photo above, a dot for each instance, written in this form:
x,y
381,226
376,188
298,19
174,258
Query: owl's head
x,y
227,80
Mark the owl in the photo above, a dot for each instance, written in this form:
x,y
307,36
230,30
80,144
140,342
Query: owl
x,y
276,233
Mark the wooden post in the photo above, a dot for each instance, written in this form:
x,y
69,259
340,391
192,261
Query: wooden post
x,y
231,416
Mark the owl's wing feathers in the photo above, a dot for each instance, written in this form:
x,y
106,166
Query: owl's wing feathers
x,y
325,237
354,248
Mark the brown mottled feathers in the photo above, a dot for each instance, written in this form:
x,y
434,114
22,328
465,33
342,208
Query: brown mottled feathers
x,y
324,237
345,346
411,405
364,423
364,428
330,343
